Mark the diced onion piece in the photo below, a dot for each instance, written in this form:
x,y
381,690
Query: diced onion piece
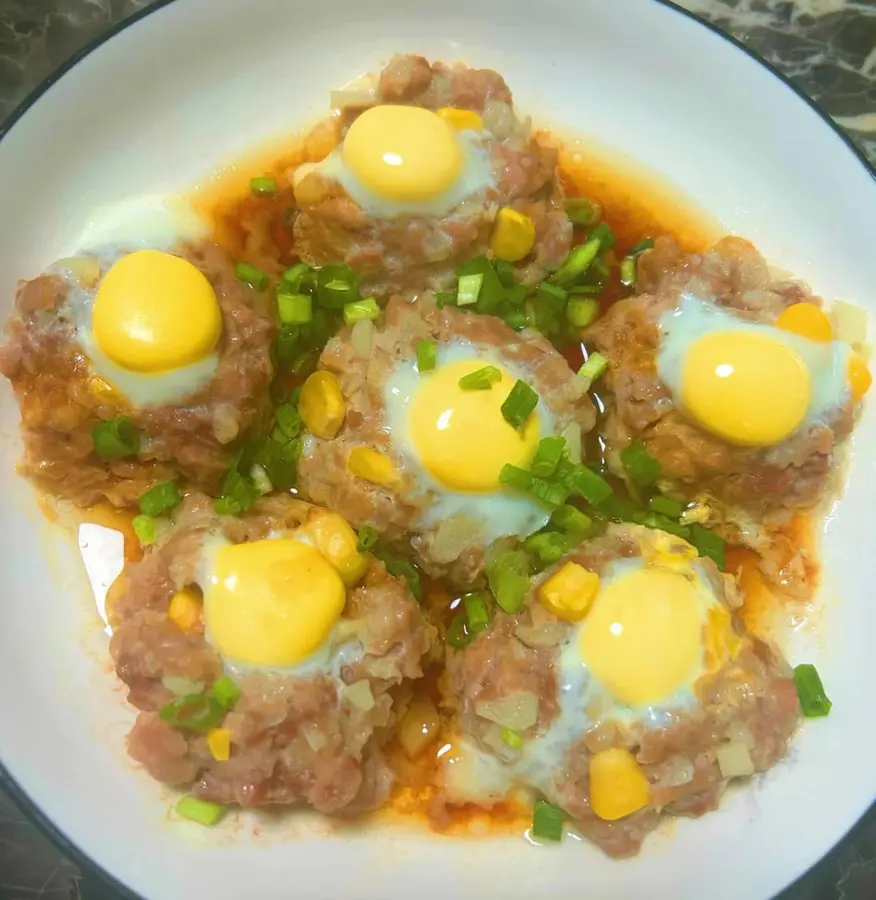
x,y
352,98
418,727
360,696
362,337
572,436
517,710
676,771
180,686
315,738
547,635
452,537
85,271
849,322
734,760
226,423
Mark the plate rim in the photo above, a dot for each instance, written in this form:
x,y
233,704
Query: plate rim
x,y
32,811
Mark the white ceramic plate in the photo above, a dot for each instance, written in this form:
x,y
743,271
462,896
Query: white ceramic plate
x,y
197,82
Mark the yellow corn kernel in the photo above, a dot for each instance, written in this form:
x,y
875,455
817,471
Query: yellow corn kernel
x,y
618,786
366,463
219,742
185,609
102,388
336,541
859,376
460,119
807,320
569,592
513,235
321,405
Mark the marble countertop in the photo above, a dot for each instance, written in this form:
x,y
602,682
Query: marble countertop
x,y
827,47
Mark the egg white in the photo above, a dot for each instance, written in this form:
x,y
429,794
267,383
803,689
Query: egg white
x,y
476,178
693,319
498,514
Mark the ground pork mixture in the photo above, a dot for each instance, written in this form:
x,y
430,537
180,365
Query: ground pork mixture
x,y
323,474
410,253
750,699
294,738
60,406
733,275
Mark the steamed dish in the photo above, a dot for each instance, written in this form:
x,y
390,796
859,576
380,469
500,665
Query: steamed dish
x,y
446,489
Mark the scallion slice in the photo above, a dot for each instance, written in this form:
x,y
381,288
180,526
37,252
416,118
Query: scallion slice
x,y
252,276
515,477
593,367
519,404
116,438
581,480
709,544
480,380
225,691
336,286
582,211
476,611
263,185
642,469
469,288
548,546
291,279
550,451
366,308
288,420
509,579
200,811
238,493
144,528
813,700
582,311
570,520
194,712
605,236
666,506
628,271
294,309
549,493
427,355
577,262
458,635
547,821
639,248
160,499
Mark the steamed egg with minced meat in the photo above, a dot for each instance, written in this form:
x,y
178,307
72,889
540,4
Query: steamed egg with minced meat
x,y
406,160
455,441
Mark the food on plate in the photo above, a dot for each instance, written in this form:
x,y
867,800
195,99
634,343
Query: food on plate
x,y
431,411
624,687
264,654
451,480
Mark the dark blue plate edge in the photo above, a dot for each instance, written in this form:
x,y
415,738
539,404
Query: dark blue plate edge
x,y
9,784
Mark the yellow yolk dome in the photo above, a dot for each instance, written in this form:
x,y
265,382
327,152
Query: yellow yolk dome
x,y
642,638
747,388
403,152
460,436
272,602
155,311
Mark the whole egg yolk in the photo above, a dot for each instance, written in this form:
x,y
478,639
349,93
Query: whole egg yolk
x,y
154,312
403,152
272,602
748,388
642,637
460,436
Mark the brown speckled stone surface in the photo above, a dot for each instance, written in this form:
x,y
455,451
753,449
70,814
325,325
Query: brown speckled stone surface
x,y
828,48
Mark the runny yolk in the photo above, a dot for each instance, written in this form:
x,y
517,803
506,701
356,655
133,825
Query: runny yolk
x,y
747,388
460,436
154,312
403,152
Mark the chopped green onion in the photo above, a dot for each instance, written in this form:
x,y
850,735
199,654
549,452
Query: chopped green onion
x,y
570,520
512,738
225,691
144,528
547,307
505,272
515,318
641,247
458,634
291,279
550,493
605,236
468,289
480,380
490,292
582,311
666,506
361,309
550,451
252,276
709,544
116,438
294,309
288,420
238,494
577,289
476,611
336,286
593,367
445,298
577,262
367,538
160,499
519,404
515,477
427,355
550,292
662,523
194,712
200,811
621,509
582,211
263,185
401,568
548,546
642,469
509,579
579,479
547,821
628,271
813,699
516,294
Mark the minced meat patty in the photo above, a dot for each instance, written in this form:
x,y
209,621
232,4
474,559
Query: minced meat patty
x,y
410,253
323,473
60,405
749,700
733,275
293,738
